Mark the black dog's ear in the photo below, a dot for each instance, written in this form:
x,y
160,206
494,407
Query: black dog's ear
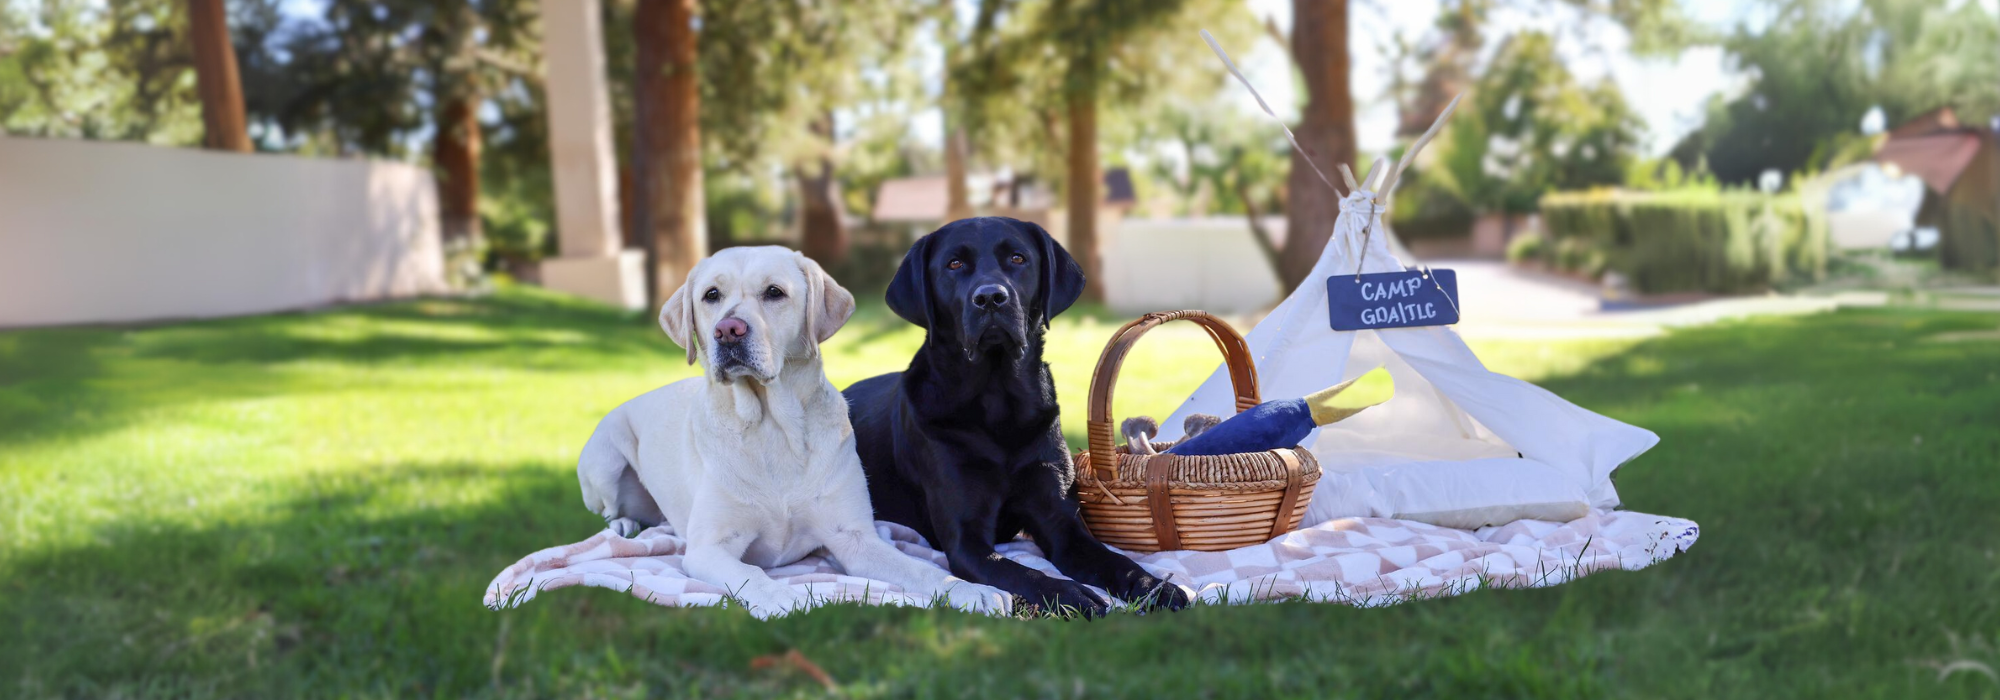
x,y
1062,278
909,292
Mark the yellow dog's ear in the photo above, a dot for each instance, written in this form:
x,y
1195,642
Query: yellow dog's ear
x,y
677,319
827,304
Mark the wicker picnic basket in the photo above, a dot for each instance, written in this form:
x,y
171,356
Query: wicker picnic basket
x,y
1150,503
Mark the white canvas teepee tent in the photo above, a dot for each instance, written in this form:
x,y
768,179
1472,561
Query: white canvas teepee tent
x,y
1458,445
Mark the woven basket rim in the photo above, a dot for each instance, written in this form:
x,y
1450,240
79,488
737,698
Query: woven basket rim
x,y
1233,486
1307,461
1309,471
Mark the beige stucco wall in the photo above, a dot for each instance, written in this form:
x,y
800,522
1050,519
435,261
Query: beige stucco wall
x,y
96,232
1212,264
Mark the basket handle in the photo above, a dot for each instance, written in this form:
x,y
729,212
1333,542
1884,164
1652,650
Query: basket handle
x,y
1235,354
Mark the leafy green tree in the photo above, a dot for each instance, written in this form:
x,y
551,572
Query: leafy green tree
x,y
796,99
1448,60
1818,66
516,190
1038,84
779,75
375,76
114,71
1226,162
1528,126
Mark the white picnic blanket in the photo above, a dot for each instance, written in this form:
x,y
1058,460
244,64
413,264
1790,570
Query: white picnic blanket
x,y
1354,561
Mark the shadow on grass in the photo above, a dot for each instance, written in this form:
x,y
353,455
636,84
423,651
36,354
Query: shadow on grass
x,y
338,592
61,380
518,321
350,592
1841,467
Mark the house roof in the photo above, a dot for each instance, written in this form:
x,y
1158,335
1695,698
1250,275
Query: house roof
x,y
1933,147
924,199
1931,122
912,199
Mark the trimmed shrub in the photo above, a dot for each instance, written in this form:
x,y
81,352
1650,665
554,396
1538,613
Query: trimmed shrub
x,y
1579,255
1697,239
1526,246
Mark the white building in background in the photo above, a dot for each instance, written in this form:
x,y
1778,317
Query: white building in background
x,y
105,232
1210,263
1153,264
1867,206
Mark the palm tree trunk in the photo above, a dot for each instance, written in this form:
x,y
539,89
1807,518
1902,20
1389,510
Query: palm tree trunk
x,y
223,125
455,153
668,135
1081,189
1326,130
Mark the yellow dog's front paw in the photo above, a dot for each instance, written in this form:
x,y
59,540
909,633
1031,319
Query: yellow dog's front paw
x,y
978,598
776,602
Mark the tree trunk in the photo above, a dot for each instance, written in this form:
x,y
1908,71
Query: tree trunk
x,y
668,135
822,234
1326,130
455,154
223,125
958,202
1081,189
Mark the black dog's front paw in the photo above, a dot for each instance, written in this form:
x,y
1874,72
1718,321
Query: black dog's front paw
x,y
1067,599
1150,593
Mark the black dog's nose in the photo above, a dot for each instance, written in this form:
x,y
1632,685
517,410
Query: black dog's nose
x,y
731,330
989,296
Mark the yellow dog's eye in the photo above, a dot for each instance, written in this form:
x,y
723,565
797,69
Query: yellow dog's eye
x,y
773,292
954,264
713,294
1018,259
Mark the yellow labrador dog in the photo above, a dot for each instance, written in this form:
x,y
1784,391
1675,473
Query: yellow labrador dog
x,y
753,462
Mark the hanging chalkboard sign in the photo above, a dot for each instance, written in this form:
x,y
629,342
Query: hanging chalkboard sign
x,y
1392,299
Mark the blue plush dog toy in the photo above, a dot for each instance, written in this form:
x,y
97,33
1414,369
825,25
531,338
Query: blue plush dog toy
x,y
1270,425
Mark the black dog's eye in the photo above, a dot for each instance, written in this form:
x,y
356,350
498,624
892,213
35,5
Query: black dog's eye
x,y
954,264
773,292
1018,259
712,295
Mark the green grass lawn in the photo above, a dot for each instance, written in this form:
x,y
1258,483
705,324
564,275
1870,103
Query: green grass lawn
x,y
312,504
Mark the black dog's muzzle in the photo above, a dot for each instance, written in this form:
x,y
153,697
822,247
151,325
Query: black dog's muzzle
x,y
993,319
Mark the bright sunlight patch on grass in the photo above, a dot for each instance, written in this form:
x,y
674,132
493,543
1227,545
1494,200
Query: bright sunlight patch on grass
x,y
312,504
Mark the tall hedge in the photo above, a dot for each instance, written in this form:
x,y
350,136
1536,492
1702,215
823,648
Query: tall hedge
x,y
1692,240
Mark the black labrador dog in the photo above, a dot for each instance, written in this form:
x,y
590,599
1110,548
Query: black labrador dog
x,y
965,446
